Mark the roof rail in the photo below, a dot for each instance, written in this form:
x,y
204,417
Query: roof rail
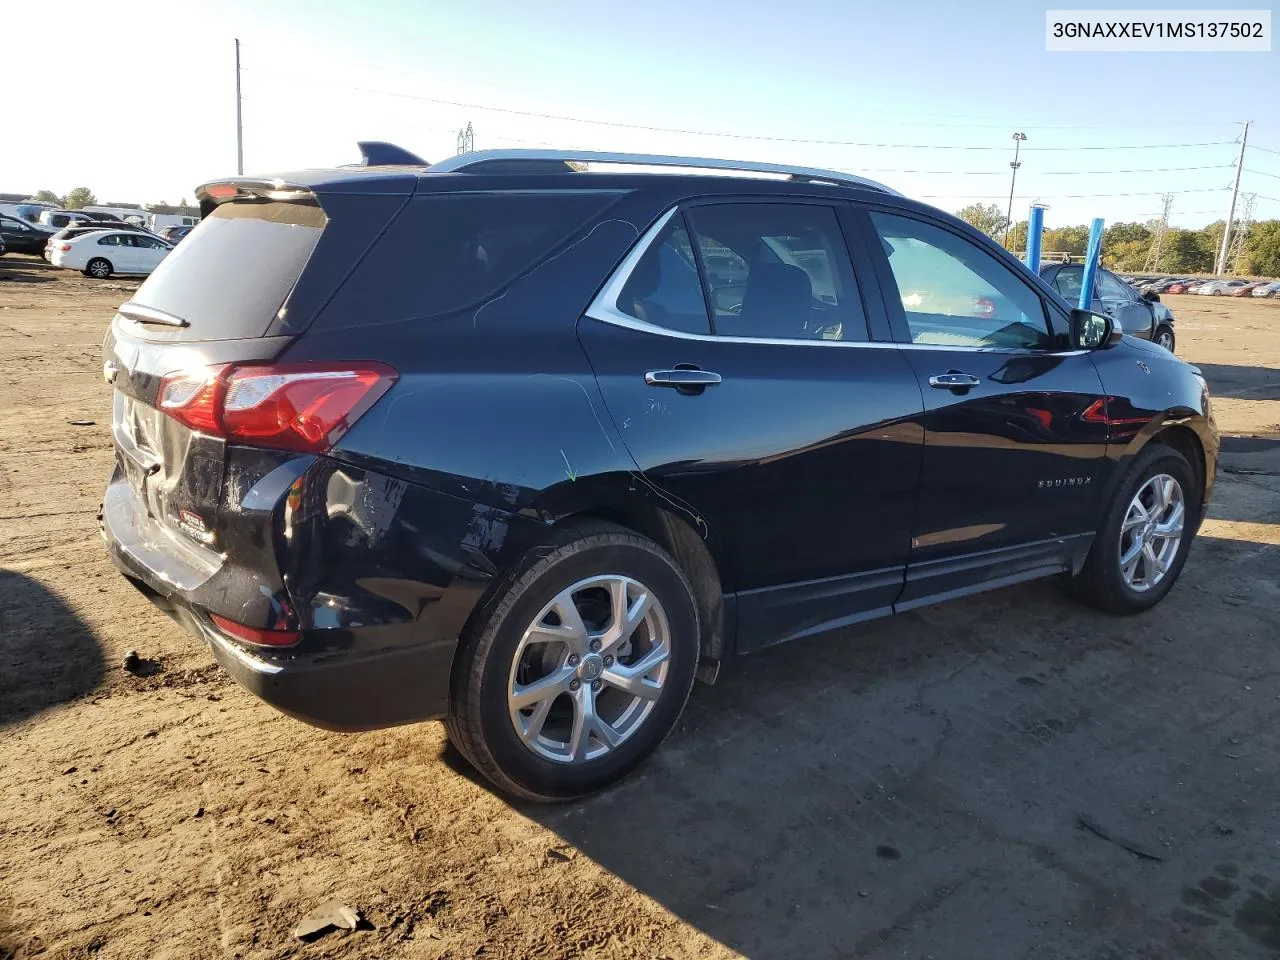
x,y
466,161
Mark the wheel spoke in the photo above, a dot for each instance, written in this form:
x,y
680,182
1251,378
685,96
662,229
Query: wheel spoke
x,y
545,688
1151,564
584,721
1130,557
1134,519
536,720
636,613
617,606
636,685
649,662
1172,527
1165,486
604,730
571,629
626,615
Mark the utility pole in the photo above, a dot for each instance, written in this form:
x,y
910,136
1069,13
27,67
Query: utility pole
x,y
1221,266
1153,253
239,119
1008,217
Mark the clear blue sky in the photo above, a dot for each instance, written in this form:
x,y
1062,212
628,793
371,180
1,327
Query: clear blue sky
x,y
939,74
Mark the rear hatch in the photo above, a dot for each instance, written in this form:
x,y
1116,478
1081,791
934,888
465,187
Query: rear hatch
x,y
265,254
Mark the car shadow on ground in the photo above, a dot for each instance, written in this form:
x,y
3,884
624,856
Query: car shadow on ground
x,y
1241,382
48,655
24,270
916,786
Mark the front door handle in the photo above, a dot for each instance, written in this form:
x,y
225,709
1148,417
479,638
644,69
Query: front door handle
x,y
953,381
682,379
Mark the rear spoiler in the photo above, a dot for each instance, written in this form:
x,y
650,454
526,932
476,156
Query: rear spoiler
x,y
215,192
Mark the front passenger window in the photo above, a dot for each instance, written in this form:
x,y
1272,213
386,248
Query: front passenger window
x,y
954,293
1111,287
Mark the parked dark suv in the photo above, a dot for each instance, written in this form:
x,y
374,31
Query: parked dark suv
x,y
1140,314
529,447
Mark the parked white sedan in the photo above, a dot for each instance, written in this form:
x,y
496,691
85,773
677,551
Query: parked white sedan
x,y
105,252
1218,288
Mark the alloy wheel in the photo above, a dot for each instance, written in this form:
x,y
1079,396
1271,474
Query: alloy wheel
x,y
1165,339
1152,532
589,669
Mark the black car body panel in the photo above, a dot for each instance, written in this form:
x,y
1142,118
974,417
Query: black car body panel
x,y
823,482
22,237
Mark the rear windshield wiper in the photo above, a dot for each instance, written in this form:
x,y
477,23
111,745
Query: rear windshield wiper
x,y
150,315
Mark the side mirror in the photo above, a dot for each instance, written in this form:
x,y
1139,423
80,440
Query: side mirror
x,y
1090,330
1150,296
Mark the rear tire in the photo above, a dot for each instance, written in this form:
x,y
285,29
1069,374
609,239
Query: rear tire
x,y
98,268
591,710
1104,582
1164,337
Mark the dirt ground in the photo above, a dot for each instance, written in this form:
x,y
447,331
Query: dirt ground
x,y
912,788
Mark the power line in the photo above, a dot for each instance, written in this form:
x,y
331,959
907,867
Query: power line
x,y
1262,173
769,139
648,128
1070,196
1045,173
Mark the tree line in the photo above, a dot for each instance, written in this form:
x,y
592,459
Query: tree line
x,y
1129,246
82,197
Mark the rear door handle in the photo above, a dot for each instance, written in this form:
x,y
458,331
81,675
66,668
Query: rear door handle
x,y
953,381
681,378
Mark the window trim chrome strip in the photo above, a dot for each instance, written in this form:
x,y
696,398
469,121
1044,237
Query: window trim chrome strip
x,y
604,308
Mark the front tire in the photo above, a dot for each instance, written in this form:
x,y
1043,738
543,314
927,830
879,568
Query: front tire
x,y
1142,545
1164,337
98,268
578,668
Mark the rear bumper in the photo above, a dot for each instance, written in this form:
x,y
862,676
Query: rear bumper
x,y
346,691
380,597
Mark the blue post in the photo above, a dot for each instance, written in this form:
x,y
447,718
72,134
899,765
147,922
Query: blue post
x,y
1091,263
1035,228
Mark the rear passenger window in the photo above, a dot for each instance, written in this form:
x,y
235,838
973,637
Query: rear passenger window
x,y
954,293
450,251
778,271
663,287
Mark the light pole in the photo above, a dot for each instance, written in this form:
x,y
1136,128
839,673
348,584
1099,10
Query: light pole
x,y
1008,217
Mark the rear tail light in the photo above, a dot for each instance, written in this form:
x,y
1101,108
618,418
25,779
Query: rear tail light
x,y
256,635
65,247
299,406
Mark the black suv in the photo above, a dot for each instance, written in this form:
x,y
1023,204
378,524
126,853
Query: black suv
x,y
530,447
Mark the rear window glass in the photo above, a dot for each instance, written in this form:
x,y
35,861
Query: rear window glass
x,y
230,276
451,251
